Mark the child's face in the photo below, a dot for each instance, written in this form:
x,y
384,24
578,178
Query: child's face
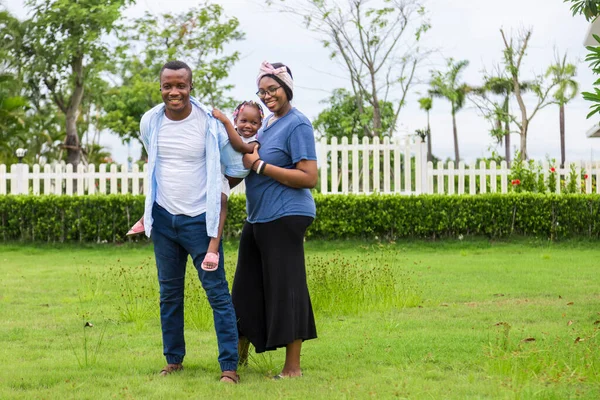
x,y
248,121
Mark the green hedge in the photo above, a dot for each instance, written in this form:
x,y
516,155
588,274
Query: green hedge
x,y
107,217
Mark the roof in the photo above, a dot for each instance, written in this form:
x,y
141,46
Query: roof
x,y
594,29
594,131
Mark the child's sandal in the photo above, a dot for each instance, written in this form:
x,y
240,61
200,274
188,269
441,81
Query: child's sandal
x,y
137,228
211,262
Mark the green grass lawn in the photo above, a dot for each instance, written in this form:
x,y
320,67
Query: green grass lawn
x,y
415,320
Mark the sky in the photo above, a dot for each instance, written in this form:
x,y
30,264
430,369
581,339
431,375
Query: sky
x,y
461,29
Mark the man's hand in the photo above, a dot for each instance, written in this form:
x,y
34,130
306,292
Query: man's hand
x,y
250,158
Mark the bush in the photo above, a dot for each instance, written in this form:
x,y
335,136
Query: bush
x,y
108,217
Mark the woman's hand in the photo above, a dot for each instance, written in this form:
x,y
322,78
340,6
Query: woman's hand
x,y
249,159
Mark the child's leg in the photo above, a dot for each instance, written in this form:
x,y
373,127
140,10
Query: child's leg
x,y
211,261
138,227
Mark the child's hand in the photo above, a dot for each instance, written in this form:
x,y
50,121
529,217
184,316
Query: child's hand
x,y
219,115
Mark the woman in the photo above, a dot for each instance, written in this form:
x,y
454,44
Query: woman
x,y
269,289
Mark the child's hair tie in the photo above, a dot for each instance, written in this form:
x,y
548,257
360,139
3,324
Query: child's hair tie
x,y
243,104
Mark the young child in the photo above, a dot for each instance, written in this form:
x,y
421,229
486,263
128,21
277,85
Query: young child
x,y
247,119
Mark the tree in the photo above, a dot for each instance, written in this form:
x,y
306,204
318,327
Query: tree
x,y
343,117
426,103
12,103
591,10
64,50
446,85
562,74
198,36
12,117
498,111
588,8
513,61
378,47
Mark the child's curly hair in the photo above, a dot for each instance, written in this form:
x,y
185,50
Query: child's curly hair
x,y
250,103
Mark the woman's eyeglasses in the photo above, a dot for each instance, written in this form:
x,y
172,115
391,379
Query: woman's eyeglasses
x,y
272,90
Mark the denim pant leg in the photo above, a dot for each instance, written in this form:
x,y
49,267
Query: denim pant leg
x,y
171,259
195,240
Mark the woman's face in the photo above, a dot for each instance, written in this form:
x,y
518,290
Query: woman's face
x,y
248,121
277,101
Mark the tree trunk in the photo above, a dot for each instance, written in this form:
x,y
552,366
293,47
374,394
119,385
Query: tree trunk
x,y
376,109
72,140
456,154
562,135
376,117
429,155
524,140
507,147
507,132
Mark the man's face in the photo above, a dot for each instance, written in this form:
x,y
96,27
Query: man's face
x,y
175,87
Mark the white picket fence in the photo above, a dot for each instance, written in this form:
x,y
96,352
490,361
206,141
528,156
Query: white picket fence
x,y
388,166
397,166
475,179
61,179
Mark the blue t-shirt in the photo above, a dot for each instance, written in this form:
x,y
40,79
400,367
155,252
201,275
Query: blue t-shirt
x,y
285,142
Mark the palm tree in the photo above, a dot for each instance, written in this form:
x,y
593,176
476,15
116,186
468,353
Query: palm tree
x,y
426,103
446,85
502,85
566,89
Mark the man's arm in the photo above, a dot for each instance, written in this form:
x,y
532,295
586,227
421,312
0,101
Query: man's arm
x,y
145,131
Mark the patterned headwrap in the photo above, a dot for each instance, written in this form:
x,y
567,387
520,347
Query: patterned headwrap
x,y
251,103
280,73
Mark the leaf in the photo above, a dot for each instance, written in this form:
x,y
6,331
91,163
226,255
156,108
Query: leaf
x,y
570,303
529,339
569,323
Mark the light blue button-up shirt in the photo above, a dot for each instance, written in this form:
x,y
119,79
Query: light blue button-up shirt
x,y
218,153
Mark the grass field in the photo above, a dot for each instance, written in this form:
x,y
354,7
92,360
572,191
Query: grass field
x,y
414,320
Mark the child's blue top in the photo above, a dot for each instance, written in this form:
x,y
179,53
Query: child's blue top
x,y
285,142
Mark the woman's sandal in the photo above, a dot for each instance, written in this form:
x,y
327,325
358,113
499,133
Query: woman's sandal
x,y
211,262
170,368
281,376
230,377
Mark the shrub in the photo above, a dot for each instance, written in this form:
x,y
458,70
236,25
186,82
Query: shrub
x,y
102,218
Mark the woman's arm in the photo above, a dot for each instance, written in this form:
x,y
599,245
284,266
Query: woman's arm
x,y
304,175
234,138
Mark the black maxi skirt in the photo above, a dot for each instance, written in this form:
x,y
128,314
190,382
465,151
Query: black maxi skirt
x,y
269,292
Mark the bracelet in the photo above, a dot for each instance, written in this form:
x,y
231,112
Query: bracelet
x,y
261,167
255,161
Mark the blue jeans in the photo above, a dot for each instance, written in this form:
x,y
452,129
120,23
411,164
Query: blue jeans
x,y
175,237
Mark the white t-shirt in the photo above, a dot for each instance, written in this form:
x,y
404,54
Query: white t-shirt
x,y
250,139
181,165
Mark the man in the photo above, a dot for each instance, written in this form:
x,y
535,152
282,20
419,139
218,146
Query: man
x,y
187,148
